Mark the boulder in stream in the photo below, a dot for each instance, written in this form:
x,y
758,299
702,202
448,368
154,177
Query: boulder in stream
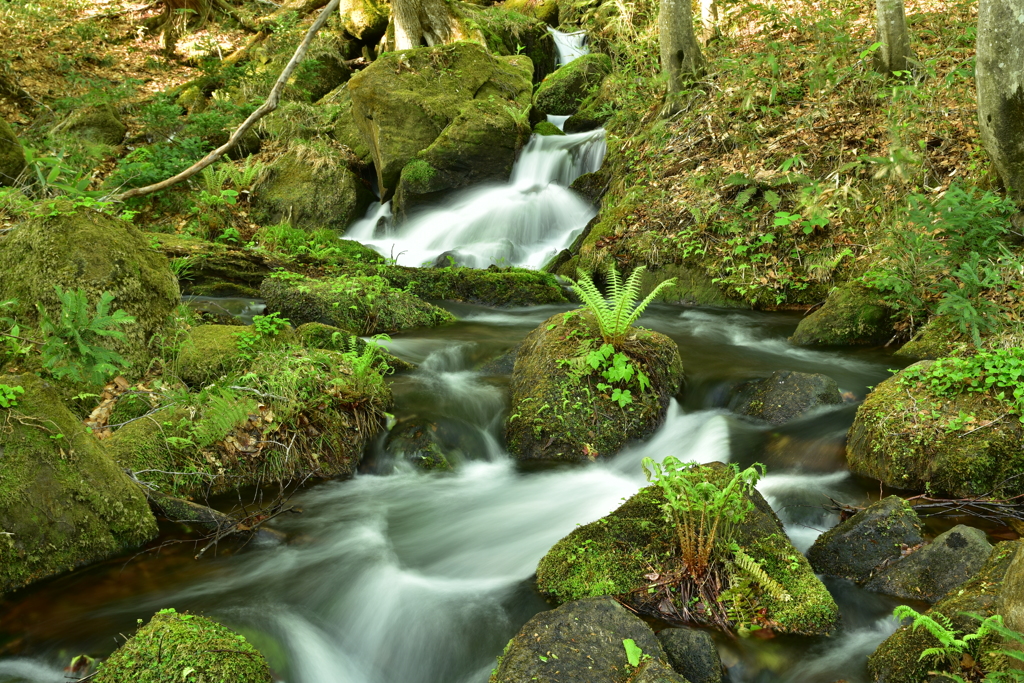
x,y
562,92
785,396
583,642
692,653
185,648
417,442
64,502
852,314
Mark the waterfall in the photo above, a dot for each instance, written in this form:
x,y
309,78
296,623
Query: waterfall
x,y
569,45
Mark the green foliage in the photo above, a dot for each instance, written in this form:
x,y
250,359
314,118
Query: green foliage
x,y
283,238
72,344
157,162
616,312
617,368
9,395
999,373
263,327
634,653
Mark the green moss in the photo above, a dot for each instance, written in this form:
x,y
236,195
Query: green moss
x,y
63,501
852,314
547,128
94,124
902,437
519,28
418,172
937,339
330,338
597,108
184,648
563,91
209,352
12,158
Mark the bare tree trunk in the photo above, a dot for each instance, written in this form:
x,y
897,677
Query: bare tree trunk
x,y
423,21
709,19
681,59
891,31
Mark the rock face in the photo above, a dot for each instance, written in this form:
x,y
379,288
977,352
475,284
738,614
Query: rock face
x,y
519,27
89,250
935,569
313,189
364,305
581,642
596,109
852,314
785,396
558,412
184,647
63,501
896,441
364,20
12,158
692,653
875,536
453,110
993,589
94,124
564,91
623,548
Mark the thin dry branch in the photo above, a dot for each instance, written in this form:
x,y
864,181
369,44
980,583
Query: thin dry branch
x,y
267,107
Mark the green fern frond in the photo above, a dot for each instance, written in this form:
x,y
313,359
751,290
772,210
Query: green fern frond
x,y
755,571
617,311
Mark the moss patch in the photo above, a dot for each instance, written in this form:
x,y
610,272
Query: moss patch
x,y
492,287
12,158
852,314
547,128
564,91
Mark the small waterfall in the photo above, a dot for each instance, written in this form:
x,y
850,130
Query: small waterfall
x,y
569,45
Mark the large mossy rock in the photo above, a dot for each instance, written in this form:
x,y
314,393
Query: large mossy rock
x,y
996,588
363,304
930,572
85,249
903,438
213,269
365,20
544,10
321,71
597,108
519,29
12,158
491,287
938,338
875,536
312,188
184,648
557,411
564,91
452,109
581,642
210,352
852,314
785,396
94,124
63,501
616,554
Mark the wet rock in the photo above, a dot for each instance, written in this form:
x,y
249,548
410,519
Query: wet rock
x,y
94,124
64,503
870,539
502,365
785,396
547,128
416,441
12,158
80,248
364,304
692,653
852,314
311,188
935,569
617,554
581,642
894,439
184,647
563,91
592,185
995,588
557,411
450,108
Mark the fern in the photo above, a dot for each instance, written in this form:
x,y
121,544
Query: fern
x,y
71,343
224,410
750,566
617,311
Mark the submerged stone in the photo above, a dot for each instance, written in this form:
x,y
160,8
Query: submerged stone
x,y
785,396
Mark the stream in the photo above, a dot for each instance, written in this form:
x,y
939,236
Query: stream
x,y
399,576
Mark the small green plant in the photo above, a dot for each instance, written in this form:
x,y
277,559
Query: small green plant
x,y
263,327
617,311
999,373
617,368
634,653
72,344
9,395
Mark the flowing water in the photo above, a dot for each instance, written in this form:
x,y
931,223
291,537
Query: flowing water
x,y
398,576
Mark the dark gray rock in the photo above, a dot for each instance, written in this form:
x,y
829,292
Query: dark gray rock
x,y
692,653
875,536
785,396
417,442
581,642
935,569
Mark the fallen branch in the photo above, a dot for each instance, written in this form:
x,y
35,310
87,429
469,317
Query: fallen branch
x,y
222,525
267,107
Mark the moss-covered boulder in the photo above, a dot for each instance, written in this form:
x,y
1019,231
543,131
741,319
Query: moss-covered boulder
x,y
559,413
852,314
79,248
597,108
418,442
312,188
582,642
322,70
343,126
785,396
455,108
208,353
564,91
365,20
992,590
933,570
63,501
938,338
94,124
330,338
12,158
907,437
618,554
184,648
544,10
491,287
363,304
214,269
547,128
511,30
872,538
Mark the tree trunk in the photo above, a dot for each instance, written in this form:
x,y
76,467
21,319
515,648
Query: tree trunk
x,y
891,32
681,59
999,76
419,22
709,19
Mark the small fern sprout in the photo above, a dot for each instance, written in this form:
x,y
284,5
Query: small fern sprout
x,y
617,311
